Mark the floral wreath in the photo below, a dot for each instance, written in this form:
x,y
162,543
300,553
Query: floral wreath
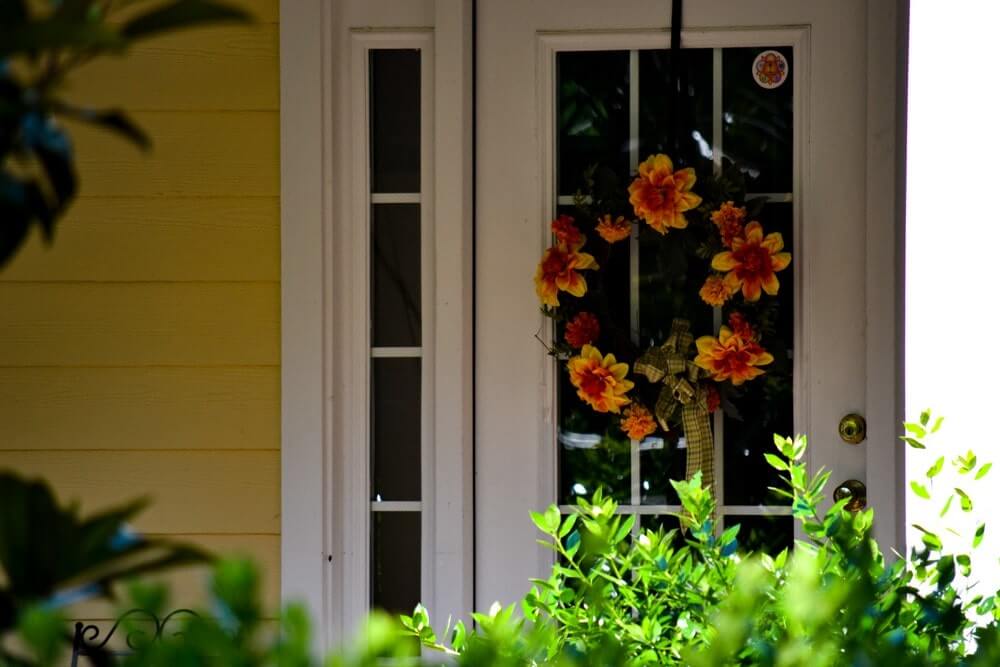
x,y
669,382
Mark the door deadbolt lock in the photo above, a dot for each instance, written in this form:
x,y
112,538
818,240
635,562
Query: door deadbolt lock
x,y
853,428
856,491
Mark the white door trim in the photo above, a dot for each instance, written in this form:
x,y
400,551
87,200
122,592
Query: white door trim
x,y
325,505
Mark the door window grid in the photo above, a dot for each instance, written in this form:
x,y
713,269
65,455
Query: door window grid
x,y
396,520
635,505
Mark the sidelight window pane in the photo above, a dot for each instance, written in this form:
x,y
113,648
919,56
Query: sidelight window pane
x,y
395,275
395,429
395,120
395,566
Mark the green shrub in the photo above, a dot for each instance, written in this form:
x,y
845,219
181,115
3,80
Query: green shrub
x,y
683,597
691,597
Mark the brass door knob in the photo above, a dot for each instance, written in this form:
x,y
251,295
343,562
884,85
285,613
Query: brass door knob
x,y
856,491
853,428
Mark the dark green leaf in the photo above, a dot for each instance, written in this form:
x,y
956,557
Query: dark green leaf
x,y
115,120
182,14
56,35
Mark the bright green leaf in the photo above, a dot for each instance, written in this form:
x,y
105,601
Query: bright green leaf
x,y
920,490
933,471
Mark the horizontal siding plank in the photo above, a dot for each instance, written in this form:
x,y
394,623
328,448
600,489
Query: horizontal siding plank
x,y
262,11
191,492
161,239
232,67
189,586
194,154
132,324
140,408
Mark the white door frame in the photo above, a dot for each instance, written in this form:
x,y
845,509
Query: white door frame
x,y
315,204
325,507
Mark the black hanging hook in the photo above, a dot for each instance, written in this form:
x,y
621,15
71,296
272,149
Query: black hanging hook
x,y
675,84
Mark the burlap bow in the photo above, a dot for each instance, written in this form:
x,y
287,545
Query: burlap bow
x,y
682,391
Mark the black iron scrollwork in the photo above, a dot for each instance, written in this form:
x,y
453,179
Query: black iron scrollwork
x,y
142,627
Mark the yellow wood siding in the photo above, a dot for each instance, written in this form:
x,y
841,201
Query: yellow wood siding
x,y
139,355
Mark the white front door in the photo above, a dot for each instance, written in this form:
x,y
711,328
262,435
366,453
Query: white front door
x,y
568,83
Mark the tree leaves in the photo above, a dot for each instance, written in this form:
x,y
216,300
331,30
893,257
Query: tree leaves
x,y
37,176
181,14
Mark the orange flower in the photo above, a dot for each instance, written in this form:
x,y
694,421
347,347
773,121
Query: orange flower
x,y
715,292
558,271
730,357
753,262
660,195
600,381
742,328
582,329
638,422
614,230
566,232
729,219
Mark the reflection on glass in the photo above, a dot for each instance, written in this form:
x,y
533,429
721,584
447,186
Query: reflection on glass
x,y
395,120
395,429
769,534
395,566
757,122
695,121
757,131
395,268
592,114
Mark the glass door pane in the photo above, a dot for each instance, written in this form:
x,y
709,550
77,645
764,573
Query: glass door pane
x,y
613,111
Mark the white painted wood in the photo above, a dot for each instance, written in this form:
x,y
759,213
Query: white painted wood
x,y
326,351
396,352
515,431
452,511
886,132
304,213
395,198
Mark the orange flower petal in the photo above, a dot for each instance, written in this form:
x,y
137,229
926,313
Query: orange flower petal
x,y
751,289
770,284
781,261
724,261
688,201
773,242
685,178
754,232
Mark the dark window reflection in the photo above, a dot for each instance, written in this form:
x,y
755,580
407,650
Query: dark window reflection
x,y
395,429
757,122
769,534
395,120
395,267
695,113
395,561
592,115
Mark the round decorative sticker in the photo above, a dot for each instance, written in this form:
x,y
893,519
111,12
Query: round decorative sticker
x,y
770,69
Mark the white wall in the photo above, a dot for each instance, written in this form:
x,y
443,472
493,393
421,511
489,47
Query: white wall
x,y
953,235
